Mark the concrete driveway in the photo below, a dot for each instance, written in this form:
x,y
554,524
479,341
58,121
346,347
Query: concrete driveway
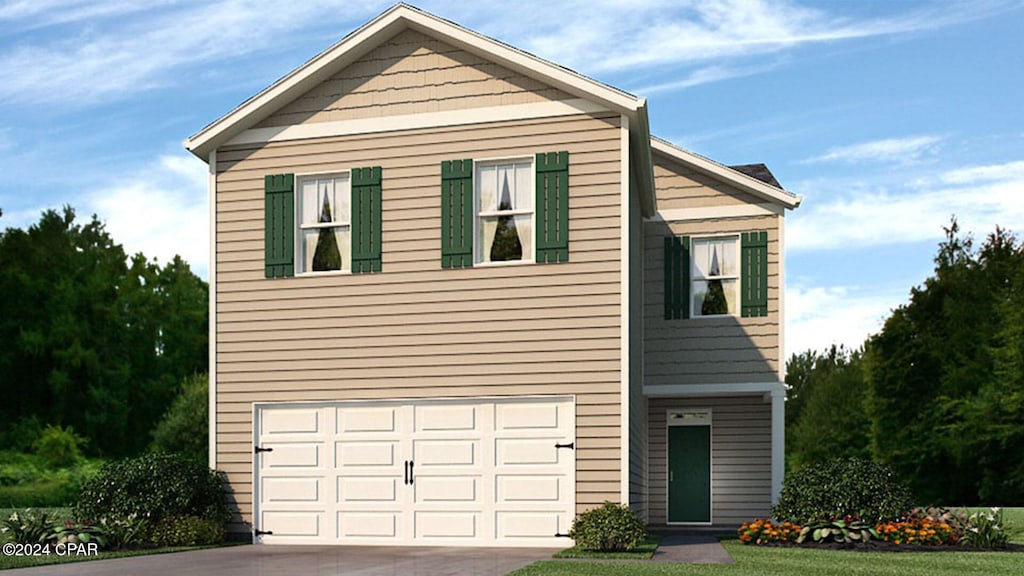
x,y
268,560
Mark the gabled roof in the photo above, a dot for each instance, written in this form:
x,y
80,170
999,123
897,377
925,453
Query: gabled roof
x,y
730,175
397,18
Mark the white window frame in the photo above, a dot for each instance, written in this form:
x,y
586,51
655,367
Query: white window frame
x,y
478,257
299,259
694,311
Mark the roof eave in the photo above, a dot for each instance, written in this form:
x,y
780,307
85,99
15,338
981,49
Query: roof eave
x,y
784,198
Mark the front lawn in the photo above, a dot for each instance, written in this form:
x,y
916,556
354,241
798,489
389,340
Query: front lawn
x,y
757,561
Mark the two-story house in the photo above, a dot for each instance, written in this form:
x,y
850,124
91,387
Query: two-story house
x,y
459,294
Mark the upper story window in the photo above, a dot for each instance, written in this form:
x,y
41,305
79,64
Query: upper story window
x,y
504,200
715,276
325,231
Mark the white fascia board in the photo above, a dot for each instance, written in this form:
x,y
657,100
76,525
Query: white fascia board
x,y
723,172
369,36
625,357
211,373
718,212
373,125
724,389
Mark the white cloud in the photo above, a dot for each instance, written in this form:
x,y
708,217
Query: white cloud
x,y
160,211
900,150
820,316
110,49
867,217
705,75
974,174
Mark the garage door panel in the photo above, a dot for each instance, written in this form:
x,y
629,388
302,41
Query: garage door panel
x,y
365,454
376,419
530,524
358,489
527,416
294,421
445,525
529,489
443,418
291,455
297,524
357,525
429,454
283,489
446,489
529,452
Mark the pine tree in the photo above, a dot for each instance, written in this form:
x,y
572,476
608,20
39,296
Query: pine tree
x,y
327,256
714,298
506,244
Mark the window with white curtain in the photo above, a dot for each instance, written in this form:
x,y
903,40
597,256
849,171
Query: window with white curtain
x,y
504,195
325,232
715,276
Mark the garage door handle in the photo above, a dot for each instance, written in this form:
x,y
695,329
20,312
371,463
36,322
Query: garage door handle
x,y
406,472
412,478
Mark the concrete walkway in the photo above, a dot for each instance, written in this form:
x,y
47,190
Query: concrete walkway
x,y
691,549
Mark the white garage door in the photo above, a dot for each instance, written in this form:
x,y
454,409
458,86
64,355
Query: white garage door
x,y
481,472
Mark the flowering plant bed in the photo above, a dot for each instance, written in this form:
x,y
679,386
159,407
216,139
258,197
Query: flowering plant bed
x,y
923,529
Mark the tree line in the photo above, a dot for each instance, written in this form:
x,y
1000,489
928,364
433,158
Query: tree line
x,y
90,338
938,393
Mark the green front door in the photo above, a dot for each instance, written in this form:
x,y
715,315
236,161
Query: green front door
x,y
689,473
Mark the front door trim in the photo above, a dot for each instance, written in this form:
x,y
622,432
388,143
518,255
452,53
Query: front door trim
x,y
690,417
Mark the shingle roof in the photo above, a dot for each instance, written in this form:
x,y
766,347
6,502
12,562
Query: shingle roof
x,y
759,171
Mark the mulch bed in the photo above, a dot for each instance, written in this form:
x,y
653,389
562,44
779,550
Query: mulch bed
x,y
883,546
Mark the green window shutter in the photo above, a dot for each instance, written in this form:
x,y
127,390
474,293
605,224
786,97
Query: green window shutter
x,y
552,207
677,277
366,221
457,214
754,273
279,225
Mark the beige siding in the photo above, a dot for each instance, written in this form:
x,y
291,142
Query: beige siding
x,y
740,457
706,350
410,74
415,330
679,186
637,400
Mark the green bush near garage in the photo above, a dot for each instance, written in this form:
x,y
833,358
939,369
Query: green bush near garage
x,y
154,487
608,528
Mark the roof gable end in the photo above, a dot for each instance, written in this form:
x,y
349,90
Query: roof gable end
x,y
379,30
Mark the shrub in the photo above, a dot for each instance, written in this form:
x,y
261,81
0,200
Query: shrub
x,y
609,528
59,447
187,531
763,531
125,531
154,486
26,527
183,428
985,530
839,488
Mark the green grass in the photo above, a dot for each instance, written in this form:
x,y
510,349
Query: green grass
x,y
756,560
9,562
1014,520
643,552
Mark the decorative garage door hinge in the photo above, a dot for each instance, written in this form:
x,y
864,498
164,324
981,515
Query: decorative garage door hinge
x,y
570,445
258,449
560,535
264,533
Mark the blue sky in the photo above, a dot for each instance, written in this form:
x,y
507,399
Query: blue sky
x,y
888,117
